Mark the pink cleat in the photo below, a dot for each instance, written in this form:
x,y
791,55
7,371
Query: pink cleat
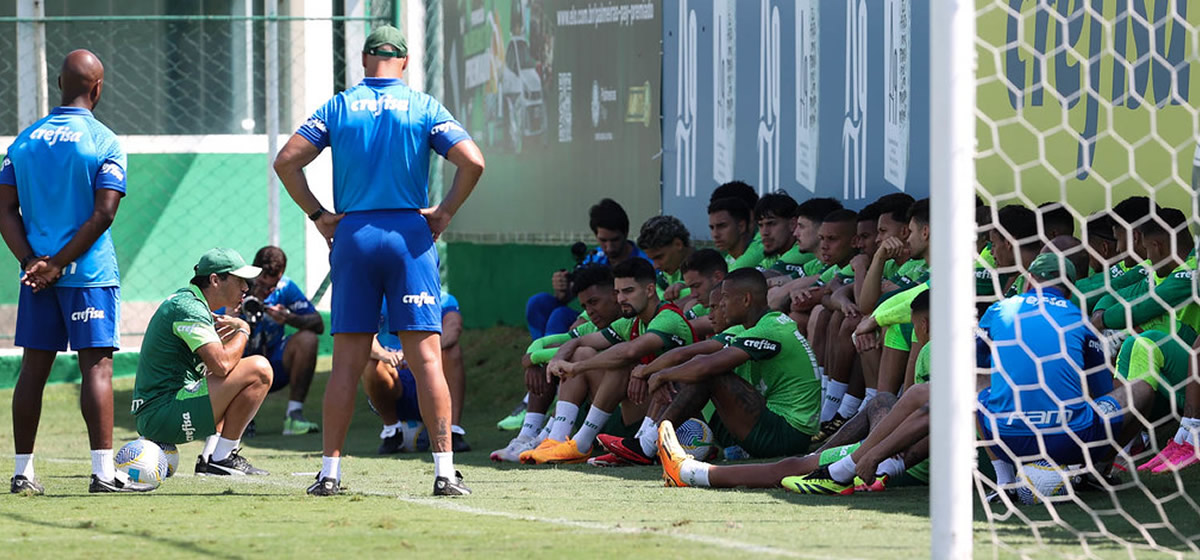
x,y
1184,457
1159,459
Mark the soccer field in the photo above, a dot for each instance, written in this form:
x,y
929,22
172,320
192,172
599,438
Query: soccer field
x,y
577,511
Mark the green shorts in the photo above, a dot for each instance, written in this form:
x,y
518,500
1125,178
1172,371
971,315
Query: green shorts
x,y
1162,361
899,337
184,417
771,436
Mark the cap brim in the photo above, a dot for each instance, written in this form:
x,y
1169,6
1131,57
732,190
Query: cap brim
x,y
248,272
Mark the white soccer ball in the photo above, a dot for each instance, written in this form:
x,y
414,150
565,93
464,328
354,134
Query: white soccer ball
x,y
1043,481
172,454
143,461
696,438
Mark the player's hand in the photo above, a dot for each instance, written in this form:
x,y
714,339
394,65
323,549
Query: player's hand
x,y
865,335
42,274
558,283
639,372
661,390
851,310
777,281
892,248
327,225
537,382
672,292
437,219
639,390
277,313
554,368
229,322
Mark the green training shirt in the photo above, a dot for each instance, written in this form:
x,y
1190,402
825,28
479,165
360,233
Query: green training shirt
x,y
168,360
751,258
784,368
792,262
667,325
1170,301
835,271
921,368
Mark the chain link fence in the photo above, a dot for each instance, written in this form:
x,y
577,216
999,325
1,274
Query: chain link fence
x,y
194,91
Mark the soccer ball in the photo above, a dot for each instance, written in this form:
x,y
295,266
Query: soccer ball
x,y
172,454
1043,481
143,461
696,438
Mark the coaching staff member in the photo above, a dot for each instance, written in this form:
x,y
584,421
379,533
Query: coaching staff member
x,y
381,234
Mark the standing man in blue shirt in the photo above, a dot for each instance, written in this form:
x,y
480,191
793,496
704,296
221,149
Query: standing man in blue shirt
x,y
381,236
60,185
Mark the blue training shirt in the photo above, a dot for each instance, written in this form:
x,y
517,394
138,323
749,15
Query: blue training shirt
x,y
597,256
386,336
267,333
381,132
57,164
1040,353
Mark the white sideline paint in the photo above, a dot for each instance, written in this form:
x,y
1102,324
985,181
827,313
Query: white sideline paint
x,y
449,505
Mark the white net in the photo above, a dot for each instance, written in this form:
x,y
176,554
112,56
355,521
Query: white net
x,y
1082,107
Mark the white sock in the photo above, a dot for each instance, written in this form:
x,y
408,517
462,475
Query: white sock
x,y
525,401
294,406
443,464
565,414
833,399
850,405
595,420
102,464
1006,473
331,467
648,437
842,471
389,430
532,425
545,433
24,465
210,443
456,429
867,398
694,473
1187,433
824,378
892,466
224,448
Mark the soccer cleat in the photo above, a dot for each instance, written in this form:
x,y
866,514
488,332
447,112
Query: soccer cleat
x,y
818,482
392,442
629,450
458,443
563,453
828,429
1088,482
607,460
119,483
527,457
1159,459
514,420
295,424
201,465
512,453
671,455
879,485
324,487
233,465
25,486
1183,457
443,486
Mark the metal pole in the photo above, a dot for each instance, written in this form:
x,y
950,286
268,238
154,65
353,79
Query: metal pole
x,y
414,33
32,96
952,189
354,36
271,67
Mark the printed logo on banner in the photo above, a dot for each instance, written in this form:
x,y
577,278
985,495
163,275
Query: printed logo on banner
x,y
808,86
724,89
854,125
685,119
768,99
897,32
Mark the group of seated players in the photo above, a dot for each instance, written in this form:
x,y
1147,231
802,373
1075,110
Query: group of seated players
x,y
804,335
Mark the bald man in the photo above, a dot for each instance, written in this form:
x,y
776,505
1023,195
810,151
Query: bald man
x,y
60,185
381,133
777,415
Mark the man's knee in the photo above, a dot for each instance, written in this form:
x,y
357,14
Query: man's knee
x,y
304,340
259,369
918,392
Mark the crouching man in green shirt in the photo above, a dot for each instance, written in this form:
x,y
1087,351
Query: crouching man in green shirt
x,y
192,381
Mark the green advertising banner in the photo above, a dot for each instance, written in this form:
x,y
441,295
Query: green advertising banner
x,y
563,99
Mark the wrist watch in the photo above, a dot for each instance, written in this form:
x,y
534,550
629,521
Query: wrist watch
x,y
316,215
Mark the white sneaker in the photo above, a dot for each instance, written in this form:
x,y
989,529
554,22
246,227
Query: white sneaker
x,y
512,453
411,430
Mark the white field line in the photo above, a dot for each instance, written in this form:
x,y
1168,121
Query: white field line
x,y
450,505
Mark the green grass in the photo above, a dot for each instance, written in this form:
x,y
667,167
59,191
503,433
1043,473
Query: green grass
x,y
515,512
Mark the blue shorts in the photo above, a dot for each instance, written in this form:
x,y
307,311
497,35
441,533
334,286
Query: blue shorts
x,y
407,406
385,252
275,356
85,317
1062,448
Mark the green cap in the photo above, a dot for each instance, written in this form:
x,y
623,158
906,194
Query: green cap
x,y
222,261
1051,266
382,37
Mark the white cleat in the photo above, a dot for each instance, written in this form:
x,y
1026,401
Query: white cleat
x,y
512,453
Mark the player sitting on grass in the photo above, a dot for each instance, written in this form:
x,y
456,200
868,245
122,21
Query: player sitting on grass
x,y
594,288
876,423
599,363
392,390
770,409
293,357
192,381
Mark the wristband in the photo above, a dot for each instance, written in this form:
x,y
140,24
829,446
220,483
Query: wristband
x,y
316,215
245,332
28,259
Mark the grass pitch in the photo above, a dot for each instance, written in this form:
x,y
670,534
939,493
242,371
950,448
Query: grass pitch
x,y
516,511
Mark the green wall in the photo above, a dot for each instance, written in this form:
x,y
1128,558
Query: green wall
x,y
493,282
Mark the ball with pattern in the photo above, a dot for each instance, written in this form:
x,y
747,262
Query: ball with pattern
x,y
696,438
172,454
143,461
1043,481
